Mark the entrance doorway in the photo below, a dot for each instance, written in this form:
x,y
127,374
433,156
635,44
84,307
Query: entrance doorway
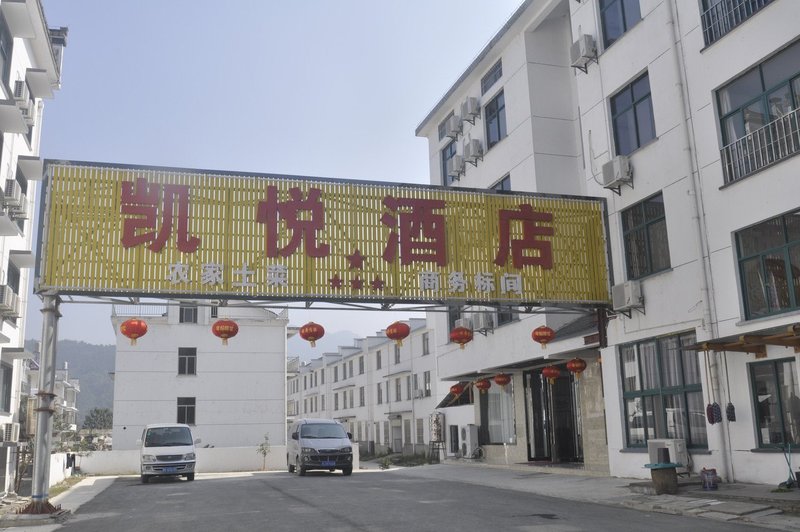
x,y
553,417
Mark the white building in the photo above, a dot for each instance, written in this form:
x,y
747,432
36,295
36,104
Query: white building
x,y
232,395
700,99
30,67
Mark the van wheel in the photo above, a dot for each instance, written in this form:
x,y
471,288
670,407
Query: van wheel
x,y
190,476
289,466
347,471
300,469
145,479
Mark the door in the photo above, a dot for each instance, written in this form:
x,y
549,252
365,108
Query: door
x,y
553,417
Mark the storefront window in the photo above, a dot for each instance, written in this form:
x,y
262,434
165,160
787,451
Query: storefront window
x,y
777,400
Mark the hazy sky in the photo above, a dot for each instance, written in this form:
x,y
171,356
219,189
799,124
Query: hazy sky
x,y
319,88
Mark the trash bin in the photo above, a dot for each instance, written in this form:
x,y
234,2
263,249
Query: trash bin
x,y
709,478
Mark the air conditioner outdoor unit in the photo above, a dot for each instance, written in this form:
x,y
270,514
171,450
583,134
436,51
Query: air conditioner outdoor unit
x,y
617,172
455,166
9,302
470,108
27,115
12,193
627,295
21,94
469,440
9,432
483,321
20,212
464,322
582,52
453,126
473,150
677,452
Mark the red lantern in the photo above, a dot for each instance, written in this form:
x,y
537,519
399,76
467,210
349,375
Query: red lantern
x,y
461,335
312,332
543,335
225,329
502,379
483,385
551,373
133,328
576,366
456,389
397,331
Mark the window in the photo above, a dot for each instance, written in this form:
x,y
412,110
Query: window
x,y
495,120
662,391
426,345
186,410
416,381
453,314
6,46
644,231
214,311
13,277
443,126
6,379
380,394
408,387
396,354
322,375
187,361
426,379
617,17
759,115
336,401
504,185
336,374
351,399
361,397
350,366
632,116
497,415
305,406
378,360
188,313
776,395
721,16
448,153
504,317
361,365
398,390
322,402
305,382
769,265
420,431
491,77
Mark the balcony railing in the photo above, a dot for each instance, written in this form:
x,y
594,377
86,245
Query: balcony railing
x,y
767,145
725,15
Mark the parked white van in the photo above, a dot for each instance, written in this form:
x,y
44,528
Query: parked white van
x,y
319,444
167,449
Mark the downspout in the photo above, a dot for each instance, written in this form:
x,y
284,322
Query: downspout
x,y
707,294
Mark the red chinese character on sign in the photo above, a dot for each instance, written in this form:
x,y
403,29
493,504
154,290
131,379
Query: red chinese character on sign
x,y
419,231
303,218
142,202
531,231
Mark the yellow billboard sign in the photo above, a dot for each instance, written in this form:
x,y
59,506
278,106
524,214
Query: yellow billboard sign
x,y
147,231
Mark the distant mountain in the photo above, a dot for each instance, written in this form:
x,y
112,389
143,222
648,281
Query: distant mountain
x,y
327,344
92,366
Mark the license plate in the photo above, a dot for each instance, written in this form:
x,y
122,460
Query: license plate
x,y
170,469
328,463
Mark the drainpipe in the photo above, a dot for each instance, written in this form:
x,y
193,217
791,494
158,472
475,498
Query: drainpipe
x,y
707,294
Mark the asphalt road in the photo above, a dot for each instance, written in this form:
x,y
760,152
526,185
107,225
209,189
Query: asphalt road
x,y
368,500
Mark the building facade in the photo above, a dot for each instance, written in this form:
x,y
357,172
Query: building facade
x,y
30,69
232,395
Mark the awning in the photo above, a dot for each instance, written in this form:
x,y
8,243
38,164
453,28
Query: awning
x,y
451,397
754,342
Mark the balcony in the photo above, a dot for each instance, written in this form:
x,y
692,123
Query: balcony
x,y
776,141
725,15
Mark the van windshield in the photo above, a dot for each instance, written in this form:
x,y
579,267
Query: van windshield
x,y
322,430
167,437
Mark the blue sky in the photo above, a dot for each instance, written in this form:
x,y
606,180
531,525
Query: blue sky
x,y
322,88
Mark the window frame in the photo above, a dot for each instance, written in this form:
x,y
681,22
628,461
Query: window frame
x,y
781,400
187,412
187,313
448,152
609,5
644,228
494,115
492,76
187,361
633,106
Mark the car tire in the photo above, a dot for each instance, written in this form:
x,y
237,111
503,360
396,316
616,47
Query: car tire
x,y
347,471
145,479
190,476
289,466
300,469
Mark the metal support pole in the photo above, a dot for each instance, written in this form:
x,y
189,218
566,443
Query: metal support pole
x,y
44,413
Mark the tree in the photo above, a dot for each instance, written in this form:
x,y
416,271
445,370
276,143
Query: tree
x,y
98,418
263,449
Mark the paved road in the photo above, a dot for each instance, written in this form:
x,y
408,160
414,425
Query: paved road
x,y
368,500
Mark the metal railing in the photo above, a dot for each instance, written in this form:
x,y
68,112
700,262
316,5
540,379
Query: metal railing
x,y
767,145
724,16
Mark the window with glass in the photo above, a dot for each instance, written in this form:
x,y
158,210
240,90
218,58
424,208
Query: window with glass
x,y
214,311
443,126
187,313
350,367
361,365
322,402
6,380
351,399
644,232
495,117
776,396
187,361
186,410
336,401
6,46
632,116
617,17
504,185
361,396
497,415
408,387
721,16
336,374
420,431
492,76
448,152
662,391
396,354
504,317
380,394
378,360
769,265
426,379
398,390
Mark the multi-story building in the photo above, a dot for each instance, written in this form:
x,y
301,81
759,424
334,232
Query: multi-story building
x,y
30,72
683,116
383,392
232,395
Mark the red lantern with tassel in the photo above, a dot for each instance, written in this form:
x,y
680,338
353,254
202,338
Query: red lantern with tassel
x,y
461,335
398,331
576,366
311,332
502,379
133,328
543,335
551,373
456,389
225,329
483,385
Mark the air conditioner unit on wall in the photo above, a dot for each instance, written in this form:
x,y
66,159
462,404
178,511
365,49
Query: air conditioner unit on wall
x,y
473,151
9,302
453,126
470,109
455,166
582,52
627,295
12,193
677,452
21,94
617,172
464,322
9,432
469,440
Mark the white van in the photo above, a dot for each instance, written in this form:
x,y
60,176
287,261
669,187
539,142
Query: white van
x,y
167,449
319,444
